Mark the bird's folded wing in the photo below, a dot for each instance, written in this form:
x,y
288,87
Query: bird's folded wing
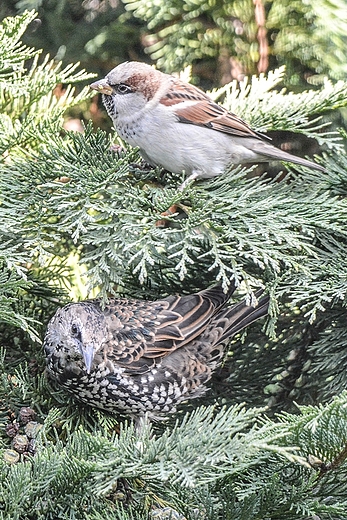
x,y
193,106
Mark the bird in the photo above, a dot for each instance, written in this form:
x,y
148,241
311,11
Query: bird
x,y
143,358
179,127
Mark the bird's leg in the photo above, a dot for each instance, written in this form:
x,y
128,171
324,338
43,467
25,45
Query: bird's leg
x,y
192,177
142,423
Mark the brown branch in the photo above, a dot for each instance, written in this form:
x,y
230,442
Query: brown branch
x,y
260,18
340,459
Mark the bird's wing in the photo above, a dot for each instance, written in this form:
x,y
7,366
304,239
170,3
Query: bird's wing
x,y
140,333
191,105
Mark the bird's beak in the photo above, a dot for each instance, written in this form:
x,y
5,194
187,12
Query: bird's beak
x,y
102,87
88,356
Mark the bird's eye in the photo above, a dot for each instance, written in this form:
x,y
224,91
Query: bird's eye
x,y
122,88
74,329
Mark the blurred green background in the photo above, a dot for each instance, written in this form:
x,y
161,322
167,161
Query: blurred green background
x,y
221,40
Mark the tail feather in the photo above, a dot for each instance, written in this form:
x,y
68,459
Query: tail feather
x,y
270,152
217,295
196,311
240,316
197,359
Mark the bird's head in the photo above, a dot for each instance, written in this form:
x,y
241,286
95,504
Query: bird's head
x,y
75,330
130,87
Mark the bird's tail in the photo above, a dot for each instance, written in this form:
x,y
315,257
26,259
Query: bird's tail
x,y
225,324
197,359
236,318
270,152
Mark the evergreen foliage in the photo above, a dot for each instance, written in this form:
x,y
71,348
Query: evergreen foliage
x,y
29,114
220,39
74,211
92,32
308,37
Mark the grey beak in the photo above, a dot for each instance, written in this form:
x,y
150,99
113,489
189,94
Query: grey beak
x,y
101,86
88,356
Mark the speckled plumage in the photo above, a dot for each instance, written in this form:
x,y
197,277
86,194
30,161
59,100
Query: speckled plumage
x,y
143,357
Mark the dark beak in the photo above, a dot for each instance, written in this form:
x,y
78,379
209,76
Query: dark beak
x,y
102,86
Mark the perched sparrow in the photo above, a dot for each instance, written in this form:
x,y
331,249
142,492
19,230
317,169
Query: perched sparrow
x,y
143,357
179,127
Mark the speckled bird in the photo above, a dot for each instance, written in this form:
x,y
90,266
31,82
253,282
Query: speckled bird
x,y
143,358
